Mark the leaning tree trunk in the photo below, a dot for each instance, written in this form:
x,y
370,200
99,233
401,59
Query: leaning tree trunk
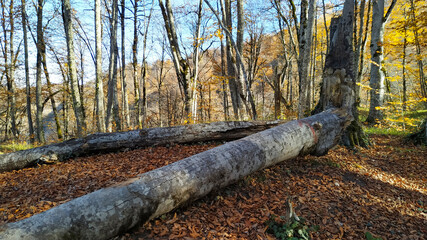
x,y
110,211
108,142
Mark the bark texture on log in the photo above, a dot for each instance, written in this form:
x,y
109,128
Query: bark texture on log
x,y
110,142
109,211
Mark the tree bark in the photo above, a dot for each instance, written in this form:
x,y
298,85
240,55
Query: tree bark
x,y
108,142
110,211
71,58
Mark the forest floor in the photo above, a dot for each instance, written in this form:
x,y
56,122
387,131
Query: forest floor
x,y
381,190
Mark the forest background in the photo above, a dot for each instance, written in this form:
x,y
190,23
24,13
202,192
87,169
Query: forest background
x,y
166,64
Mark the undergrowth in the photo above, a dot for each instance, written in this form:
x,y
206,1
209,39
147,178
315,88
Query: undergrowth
x,y
291,230
13,147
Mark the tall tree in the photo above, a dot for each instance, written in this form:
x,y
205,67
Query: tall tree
x,y
27,71
125,102
39,100
234,87
136,90
99,85
305,36
422,77
180,64
143,101
113,102
9,65
377,72
72,69
196,58
302,50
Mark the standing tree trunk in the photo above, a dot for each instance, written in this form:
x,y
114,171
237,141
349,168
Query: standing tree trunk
x,y
196,57
137,96
143,101
305,36
99,85
125,102
113,102
359,46
180,64
422,77
39,100
339,82
12,85
377,72
9,67
27,72
405,43
223,82
72,69
231,74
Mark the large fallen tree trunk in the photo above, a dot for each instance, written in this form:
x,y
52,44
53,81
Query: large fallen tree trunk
x,y
109,142
109,211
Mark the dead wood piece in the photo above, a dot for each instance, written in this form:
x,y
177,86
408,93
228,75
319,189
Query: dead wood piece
x,y
110,142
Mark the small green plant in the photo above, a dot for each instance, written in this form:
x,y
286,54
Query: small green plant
x,y
369,236
292,230
290,226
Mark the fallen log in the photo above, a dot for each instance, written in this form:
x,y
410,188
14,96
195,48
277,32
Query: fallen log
x,y
107,212
110,142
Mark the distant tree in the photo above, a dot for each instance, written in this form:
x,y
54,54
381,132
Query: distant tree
x,y
377,72
245,95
